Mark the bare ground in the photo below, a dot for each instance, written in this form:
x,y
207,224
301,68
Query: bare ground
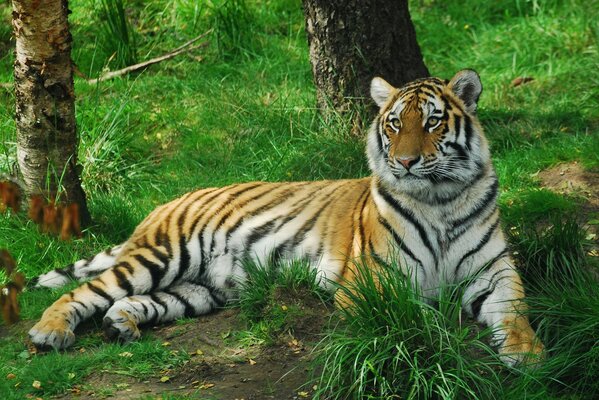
x,y
220,368
571,179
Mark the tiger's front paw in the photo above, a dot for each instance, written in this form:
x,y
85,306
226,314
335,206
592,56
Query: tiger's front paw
x,y
521,347
55,333
120,326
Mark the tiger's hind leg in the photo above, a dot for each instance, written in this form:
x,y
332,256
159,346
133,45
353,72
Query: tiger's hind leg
x,y
141,271
496,298
79,270
183,300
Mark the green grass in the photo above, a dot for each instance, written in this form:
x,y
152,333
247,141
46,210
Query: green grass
x,y
392,344
274,296
245,111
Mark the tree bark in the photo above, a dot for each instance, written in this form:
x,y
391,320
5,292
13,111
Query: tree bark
x,y
47,138
352,41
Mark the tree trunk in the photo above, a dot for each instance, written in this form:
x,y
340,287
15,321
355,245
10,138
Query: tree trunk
x,y
47,138
352,41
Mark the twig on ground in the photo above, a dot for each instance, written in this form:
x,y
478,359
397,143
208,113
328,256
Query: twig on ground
x,y
181,49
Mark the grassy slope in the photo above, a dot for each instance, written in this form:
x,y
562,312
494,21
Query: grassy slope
x,y
246,112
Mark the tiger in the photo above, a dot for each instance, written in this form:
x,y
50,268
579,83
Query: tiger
x,y
431,199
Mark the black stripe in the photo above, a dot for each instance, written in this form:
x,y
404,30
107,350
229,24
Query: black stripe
x,y
183,214
161,303
409,216
270,205
121,278
459,149
478,302
163,258
504,252
189,309
300,235
490,197
100,292
360,223
184,258
216,294
78,313
156,271
234,207
154,319
205,206
457,126
258,233
479,246
468,131
399,241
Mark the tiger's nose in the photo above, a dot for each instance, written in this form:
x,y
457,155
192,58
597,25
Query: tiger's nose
x,y
408,162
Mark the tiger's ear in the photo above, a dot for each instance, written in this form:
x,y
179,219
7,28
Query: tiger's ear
x,y
467,86
381,91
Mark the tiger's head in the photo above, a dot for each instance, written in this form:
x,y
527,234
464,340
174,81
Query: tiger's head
x,y
426,140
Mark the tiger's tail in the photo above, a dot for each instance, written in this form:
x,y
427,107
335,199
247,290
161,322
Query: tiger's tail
x,y
78,271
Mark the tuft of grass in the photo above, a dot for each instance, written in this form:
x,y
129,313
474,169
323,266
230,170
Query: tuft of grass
x,y
393,344
234,26
273,296
562,296
119,37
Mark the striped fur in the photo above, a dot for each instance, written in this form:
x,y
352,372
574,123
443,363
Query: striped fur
x,y
431,199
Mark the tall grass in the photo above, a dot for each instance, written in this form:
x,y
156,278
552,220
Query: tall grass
x,y
391,343
234,28
562,295
119,37
273,296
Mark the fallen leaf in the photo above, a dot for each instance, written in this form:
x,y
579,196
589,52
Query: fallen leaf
x,y
165,379
199,352
36,384
302,394
165,344
252,362
126,354
521,80
206,386
11,376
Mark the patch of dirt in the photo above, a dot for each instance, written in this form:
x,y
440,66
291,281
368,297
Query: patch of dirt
x,y
571,179
220,368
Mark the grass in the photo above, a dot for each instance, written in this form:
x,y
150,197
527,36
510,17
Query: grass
x,y
246,112
274,297
392,344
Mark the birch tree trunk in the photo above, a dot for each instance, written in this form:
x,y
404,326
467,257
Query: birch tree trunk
x,y
47,138
352,41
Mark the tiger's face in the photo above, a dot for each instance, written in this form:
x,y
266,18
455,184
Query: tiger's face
x,y
427,139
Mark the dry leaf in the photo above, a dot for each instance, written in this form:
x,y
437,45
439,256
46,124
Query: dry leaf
x,y
165,379
11,376
521,80
36,384
206,386
252,362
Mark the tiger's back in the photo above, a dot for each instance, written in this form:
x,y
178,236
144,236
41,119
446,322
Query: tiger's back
x,y
211,231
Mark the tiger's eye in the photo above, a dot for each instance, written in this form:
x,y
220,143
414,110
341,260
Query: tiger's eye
x,y
395,124
432,121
